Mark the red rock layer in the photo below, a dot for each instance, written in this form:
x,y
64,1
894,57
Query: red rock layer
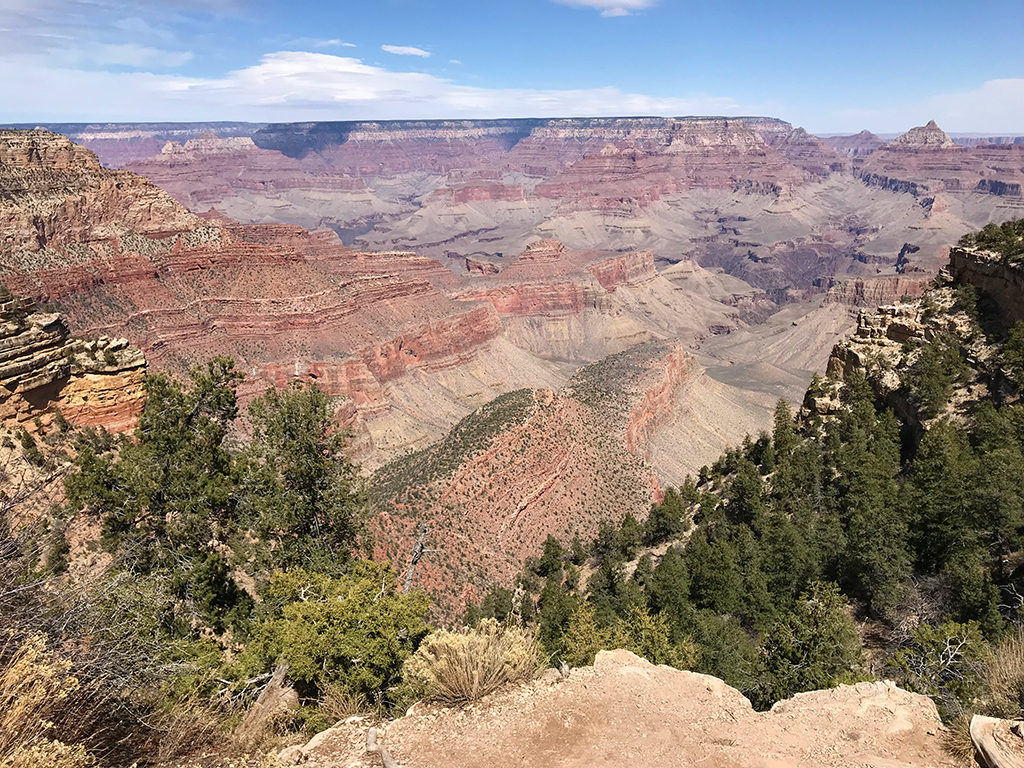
x,y
122,258
706,154
928,158
548,279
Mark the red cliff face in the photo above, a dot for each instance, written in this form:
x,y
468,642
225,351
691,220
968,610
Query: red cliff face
x,y
57,196
121,257
548,279
475,193
655,403
619,270
702,154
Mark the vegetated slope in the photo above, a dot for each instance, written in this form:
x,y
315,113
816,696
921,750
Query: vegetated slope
x,y
624,711
529,464
896,494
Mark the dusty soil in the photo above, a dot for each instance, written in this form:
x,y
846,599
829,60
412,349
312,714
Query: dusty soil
x,y
624,711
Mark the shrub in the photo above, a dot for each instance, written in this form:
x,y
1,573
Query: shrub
x,y
649,636
1013,354
932,376
457,667
1006,239
813,647
946,663
583,638
354,631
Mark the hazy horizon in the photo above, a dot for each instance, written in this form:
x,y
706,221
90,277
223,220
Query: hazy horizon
x,y
885,135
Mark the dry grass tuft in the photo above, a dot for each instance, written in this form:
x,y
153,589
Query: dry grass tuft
x,y
338,703
459,667
33,684
1004,677
192,726
957,739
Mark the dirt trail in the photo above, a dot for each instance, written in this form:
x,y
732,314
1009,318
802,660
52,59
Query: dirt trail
x,y
625,712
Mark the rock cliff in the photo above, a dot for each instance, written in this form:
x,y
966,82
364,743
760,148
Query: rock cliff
x,y
120,257
990,274
925,161
890,340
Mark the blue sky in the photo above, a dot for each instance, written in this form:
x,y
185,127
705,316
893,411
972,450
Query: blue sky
x,y
831,67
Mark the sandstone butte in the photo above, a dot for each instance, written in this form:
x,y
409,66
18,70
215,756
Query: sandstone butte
x,y
625,712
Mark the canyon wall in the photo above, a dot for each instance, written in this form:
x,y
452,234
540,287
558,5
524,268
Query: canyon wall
x,y
530,464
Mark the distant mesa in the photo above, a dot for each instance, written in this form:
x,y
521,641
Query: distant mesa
x,y
928,136
857,145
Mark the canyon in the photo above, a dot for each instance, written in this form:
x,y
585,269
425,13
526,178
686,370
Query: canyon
x,y
516,318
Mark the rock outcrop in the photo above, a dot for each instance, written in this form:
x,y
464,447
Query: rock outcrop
x,y
624,712
858,145
889,340
874,292
997,743
43,369
990,274
928,136
925,161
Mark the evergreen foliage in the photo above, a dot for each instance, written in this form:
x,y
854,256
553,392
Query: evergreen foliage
x,y
1006,239
755,571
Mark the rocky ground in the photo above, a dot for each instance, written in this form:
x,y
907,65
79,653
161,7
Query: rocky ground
x,y
624,711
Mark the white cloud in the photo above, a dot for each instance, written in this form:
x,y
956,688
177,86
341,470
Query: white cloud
x,y
333,43
612,7
94,32
405,50
996,106
294,85
454,61
139,56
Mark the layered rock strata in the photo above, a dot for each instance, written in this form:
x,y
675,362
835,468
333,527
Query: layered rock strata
x,y
93,383
530,464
